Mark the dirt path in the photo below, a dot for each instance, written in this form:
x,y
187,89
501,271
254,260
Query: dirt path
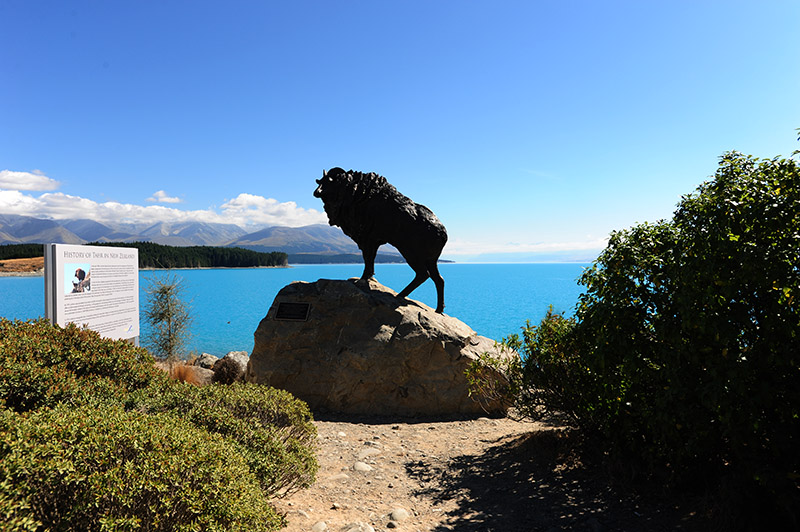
x,y
482,474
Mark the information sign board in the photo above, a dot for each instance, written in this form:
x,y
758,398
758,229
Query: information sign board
x,y
96,286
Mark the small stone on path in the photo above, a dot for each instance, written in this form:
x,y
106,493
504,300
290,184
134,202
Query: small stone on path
x,y
362,467
366,453
358,527
319,526
399,514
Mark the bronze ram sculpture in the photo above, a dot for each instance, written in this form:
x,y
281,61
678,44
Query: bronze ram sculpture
x,y
372,212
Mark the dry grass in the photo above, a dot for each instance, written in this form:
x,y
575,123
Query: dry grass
x,y
182,371
31,265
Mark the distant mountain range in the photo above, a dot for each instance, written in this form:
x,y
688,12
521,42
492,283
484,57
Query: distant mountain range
x,y
312,243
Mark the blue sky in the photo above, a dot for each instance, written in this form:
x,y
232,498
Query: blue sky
x,y
527,127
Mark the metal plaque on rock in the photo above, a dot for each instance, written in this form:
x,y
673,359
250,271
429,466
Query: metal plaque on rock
x,y
292,311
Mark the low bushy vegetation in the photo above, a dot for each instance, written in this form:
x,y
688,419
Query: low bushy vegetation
x,y
94,437
543,380
273,430
42,366
86,468
683,357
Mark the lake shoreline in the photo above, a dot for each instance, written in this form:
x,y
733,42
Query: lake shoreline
x,y
219,268
36,273
37,270
495,300
27,267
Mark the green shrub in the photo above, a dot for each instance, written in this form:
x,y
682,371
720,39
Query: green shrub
x,y
42,365
543,379
108,469
69,398
273,430
693,327
684,354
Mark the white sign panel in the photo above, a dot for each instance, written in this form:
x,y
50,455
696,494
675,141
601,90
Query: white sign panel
x,y
96,286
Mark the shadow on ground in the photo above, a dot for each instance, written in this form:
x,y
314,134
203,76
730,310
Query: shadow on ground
x,y
536,482
379,419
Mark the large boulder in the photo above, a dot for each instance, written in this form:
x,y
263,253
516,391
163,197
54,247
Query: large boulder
x,y
353,347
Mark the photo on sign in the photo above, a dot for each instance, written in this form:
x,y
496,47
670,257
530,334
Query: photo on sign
x,y
77,278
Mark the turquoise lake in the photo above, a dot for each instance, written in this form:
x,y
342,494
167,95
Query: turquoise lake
x,y
227,304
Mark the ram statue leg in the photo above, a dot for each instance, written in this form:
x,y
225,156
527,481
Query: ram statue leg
x,y
420,277
369,253
436,277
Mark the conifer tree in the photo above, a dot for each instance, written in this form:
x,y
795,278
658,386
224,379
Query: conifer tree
x,y
168,316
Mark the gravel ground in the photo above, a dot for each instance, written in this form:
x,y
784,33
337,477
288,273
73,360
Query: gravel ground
x,y
481,474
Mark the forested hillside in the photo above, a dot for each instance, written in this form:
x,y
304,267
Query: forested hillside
x,y
153,255
21,251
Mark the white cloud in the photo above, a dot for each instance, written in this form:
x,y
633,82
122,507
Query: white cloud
x,y
162,197
248,209
35,180
251,212
244,210
15,202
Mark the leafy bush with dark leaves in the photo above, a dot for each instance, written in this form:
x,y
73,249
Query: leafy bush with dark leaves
x,y
692,328
685,348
